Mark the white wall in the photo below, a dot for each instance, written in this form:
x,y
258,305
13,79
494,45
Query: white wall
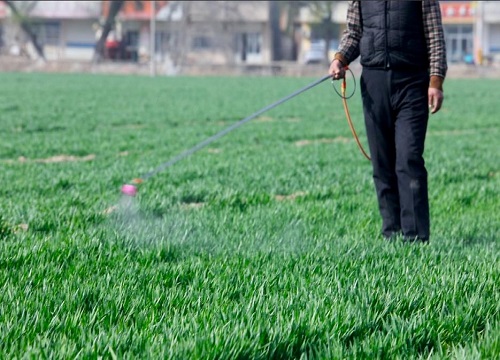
x,y
493,38
491,11
78,39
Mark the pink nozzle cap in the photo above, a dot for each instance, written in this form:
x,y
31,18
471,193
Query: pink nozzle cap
x,y
129,190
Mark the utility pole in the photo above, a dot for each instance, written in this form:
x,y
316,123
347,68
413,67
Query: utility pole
x,y
479,32
152,39
274,18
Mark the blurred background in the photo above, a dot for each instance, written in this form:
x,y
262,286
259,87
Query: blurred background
x,y
213,37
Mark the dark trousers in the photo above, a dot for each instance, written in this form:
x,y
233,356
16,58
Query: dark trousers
x,y
395,105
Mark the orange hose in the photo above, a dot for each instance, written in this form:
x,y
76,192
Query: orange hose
x,y
349,120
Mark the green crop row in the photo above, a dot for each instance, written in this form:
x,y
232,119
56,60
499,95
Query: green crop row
x,y
262,245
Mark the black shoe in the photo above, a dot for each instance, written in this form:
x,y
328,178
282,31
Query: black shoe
x,y
392,236
415,240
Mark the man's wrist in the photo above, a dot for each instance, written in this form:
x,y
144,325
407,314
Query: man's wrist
x,y
341,58
436,82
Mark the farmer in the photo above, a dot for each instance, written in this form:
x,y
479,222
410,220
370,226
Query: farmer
x,y
403,56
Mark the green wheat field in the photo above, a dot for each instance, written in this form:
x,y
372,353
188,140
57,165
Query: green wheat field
x,y
263,245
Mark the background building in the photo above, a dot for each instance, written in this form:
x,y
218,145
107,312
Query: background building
x,y
65,29
222,33
487,32
458,22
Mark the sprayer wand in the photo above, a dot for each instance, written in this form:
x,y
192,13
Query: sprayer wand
x,y
131,189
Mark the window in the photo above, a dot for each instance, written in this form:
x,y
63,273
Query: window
x,y
249,46
165,42
201,43
161,42
52,33
253,43
451,29
47,33
132,38
459,42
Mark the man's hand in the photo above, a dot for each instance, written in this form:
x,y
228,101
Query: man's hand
x,y
435,100
336,70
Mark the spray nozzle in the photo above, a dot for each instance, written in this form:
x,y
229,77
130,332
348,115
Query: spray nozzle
x,y
131,189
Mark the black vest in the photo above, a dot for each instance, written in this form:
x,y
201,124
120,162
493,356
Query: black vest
x,y
393,35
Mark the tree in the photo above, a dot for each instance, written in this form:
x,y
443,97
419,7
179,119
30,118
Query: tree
x,y
325,28
291,12
322,13
114,9
115,6
21,16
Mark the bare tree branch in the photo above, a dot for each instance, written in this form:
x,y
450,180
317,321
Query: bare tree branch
x,y
25,25
322,11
